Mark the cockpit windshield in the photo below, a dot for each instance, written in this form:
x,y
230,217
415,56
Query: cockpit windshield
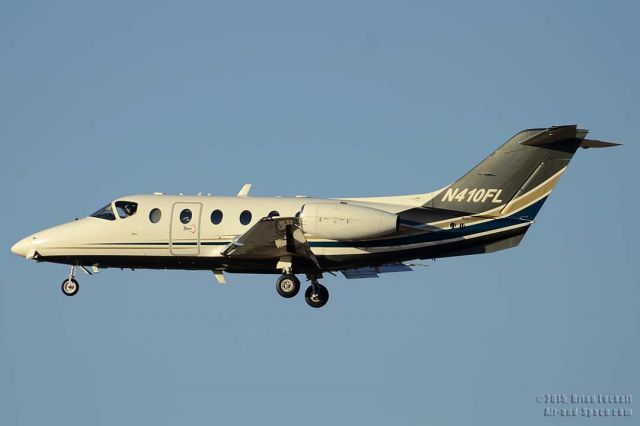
x,y
126,208
123,208
105,213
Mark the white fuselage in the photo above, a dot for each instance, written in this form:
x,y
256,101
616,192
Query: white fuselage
x,y
202,236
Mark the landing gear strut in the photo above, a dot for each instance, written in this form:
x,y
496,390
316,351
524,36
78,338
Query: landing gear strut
x,y
316,294
288,285
70,286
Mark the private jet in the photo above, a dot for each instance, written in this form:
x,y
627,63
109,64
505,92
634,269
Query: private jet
x,y
488,209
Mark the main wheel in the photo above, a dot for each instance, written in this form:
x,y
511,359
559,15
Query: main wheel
x,y
316,299
288,286
70,287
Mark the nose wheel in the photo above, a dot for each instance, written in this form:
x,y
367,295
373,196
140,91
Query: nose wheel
x,y
70,287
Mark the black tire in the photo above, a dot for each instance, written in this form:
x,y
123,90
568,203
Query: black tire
x,y
70,288
320,299
288,286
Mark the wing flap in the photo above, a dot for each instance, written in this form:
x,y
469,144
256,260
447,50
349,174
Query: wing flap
x,y
373,271
352,274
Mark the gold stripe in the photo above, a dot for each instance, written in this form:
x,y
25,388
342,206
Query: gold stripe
x,y
532,195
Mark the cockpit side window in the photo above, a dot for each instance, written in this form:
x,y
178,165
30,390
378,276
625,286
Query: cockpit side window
x,y
105,213
126,208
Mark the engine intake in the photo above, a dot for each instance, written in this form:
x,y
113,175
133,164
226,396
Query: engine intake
x,y
340,221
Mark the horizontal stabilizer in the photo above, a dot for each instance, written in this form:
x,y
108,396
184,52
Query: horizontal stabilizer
x,y
592,143
557,134
553,135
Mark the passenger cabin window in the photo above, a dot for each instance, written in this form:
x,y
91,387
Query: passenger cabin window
x,y
126,208
155,215
216,217
105,213
245,217
185,216
273,213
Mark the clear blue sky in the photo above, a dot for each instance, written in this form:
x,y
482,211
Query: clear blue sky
x,y
103,99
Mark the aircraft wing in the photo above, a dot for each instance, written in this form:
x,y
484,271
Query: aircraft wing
x,y
272,237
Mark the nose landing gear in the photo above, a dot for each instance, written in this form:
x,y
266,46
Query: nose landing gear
x,y
70,286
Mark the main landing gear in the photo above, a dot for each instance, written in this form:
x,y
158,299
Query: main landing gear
x,y
288,285
70,286
316,294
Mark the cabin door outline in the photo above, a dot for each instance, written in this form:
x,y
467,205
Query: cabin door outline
x,y
184,238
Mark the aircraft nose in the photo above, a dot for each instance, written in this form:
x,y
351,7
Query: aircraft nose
x,y
21,248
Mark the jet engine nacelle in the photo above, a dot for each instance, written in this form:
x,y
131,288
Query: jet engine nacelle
x,y
340,221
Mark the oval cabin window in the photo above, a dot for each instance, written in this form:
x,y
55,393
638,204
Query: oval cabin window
x,y
216,217
185,216
155,215
245,217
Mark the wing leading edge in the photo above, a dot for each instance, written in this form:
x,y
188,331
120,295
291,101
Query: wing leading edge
x,y
276,237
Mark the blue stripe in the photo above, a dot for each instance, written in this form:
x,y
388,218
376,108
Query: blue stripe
x,y
525,215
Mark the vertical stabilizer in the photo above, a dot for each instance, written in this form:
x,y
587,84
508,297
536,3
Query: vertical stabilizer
x,y
521,171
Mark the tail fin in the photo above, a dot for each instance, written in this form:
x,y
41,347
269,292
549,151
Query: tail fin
x,y
523,170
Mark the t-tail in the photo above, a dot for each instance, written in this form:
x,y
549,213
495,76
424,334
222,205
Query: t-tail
x,y
518,176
